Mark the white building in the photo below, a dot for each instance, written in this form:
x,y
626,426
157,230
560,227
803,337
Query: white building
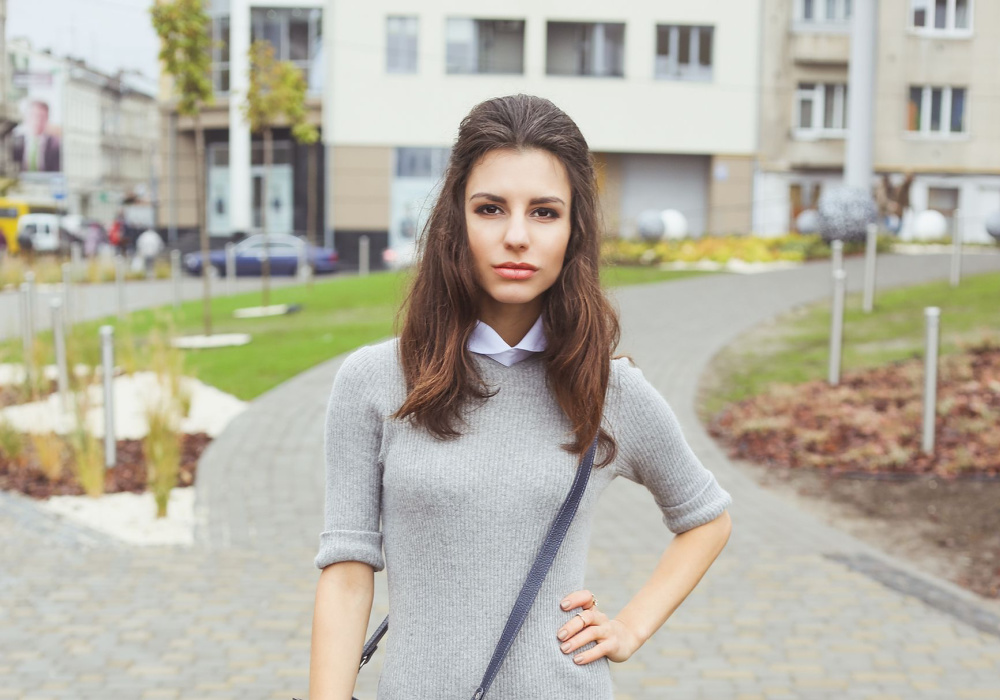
x,y
99,144
664,92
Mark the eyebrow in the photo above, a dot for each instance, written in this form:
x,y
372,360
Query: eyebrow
x,y
500,200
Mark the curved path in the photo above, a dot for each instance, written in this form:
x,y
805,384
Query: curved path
x,y
792,609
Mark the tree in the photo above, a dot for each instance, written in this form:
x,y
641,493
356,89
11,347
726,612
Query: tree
x,y
277,96
184,29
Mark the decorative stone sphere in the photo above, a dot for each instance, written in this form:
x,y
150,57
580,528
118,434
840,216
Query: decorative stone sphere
x,y
807,221
674,223
845,212
993,224
650,225
930,224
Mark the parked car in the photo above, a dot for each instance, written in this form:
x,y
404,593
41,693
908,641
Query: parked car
x,y
43,233
284,252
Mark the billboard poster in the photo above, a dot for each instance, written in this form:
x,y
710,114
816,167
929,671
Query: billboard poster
x,y
36,142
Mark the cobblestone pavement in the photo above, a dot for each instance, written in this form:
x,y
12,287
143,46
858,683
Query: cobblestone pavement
x,y
792,608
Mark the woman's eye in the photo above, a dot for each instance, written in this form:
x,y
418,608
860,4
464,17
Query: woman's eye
x,y
551,214
482,209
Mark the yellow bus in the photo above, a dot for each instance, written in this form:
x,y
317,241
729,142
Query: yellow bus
x,y
10,211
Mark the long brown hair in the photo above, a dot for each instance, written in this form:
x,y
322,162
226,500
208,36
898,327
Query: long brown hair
x,y
441,308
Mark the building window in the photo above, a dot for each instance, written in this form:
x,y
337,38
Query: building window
x,y
220,53
585,48
401,44
684,52
421,162
943,199
485,45
823,11
938,16
296,34
821,109
936,110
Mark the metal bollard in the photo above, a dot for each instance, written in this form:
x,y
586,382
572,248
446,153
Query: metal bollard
x,y
956,250
27,327
871,242
108,369
76,260
932,318
67,290
837,258
837,326
59,339
29,279
120,285
363,253
230,269
175,276
302,266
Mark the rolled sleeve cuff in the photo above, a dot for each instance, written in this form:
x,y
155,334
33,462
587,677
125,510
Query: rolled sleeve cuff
x,y
350,545
703,508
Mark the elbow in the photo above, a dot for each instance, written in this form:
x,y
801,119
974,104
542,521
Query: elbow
x,y
724,525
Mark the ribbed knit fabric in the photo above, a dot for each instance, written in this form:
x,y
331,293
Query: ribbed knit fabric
x,y
462,520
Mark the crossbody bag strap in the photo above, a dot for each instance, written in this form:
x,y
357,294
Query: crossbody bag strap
x,y
533,583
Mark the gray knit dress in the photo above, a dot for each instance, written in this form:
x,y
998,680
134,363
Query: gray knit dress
x,y
460,521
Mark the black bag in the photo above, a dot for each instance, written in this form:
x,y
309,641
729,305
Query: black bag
x,y
532,584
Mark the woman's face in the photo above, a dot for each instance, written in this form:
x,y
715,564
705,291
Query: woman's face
x,y
517,206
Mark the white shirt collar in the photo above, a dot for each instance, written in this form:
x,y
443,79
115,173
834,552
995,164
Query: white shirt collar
x,y
486,341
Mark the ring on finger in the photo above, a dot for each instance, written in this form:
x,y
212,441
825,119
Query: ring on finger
x,y
582,618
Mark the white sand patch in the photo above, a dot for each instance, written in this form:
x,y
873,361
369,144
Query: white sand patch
x,y
131,517
211,409
14,373
204,342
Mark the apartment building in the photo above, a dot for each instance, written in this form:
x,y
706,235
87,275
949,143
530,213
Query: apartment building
x,y
664,92
85,140
936,109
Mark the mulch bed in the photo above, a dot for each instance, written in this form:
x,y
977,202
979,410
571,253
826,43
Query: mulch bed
x,y
872,422
855,452
129,473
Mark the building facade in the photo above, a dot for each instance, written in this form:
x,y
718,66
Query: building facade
x,y
665,94
86,141
935,108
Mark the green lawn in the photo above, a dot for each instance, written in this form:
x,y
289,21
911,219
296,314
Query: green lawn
x,y
795,348
338,314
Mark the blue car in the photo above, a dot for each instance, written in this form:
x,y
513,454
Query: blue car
x,y
284,252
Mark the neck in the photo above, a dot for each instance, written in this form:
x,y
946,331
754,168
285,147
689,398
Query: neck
x,y
511,321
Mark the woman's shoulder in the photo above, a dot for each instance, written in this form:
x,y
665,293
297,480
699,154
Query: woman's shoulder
x,y
372,369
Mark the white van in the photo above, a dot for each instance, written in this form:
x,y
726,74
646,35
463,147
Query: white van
x,y
44,232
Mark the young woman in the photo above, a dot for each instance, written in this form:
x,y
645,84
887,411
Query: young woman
x,y
452,446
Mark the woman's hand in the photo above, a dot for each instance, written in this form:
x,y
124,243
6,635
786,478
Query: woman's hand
x,y
614,639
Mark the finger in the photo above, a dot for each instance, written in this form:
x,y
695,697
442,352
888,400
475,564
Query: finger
x,y
600,649
585,636
577,599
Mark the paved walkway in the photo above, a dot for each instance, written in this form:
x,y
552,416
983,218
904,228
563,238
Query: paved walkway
x,y
792,609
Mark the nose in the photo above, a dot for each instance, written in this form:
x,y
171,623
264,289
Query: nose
x,y
516,235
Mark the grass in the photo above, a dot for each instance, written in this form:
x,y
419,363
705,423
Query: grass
x,y
338,315
795,347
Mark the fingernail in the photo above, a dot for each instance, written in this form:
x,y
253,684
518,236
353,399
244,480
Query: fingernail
x,y
578,659
565,604
562,635
565,647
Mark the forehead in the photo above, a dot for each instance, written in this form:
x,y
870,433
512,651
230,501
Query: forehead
x,y
529,171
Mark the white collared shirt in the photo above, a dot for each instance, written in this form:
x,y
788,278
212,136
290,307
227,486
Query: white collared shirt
x,y
486,341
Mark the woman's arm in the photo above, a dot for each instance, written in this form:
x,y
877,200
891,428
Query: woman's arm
x,y
684,562
344,597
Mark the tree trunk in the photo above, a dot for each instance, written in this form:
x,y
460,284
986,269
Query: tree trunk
x,y
199,202
311,233
265,185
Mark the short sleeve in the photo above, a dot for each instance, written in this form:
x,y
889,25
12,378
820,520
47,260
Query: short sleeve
x,y
654,453
351,444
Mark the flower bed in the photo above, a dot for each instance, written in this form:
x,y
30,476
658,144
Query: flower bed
x,y
722,249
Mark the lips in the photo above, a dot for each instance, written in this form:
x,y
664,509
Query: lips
x,y
517,266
